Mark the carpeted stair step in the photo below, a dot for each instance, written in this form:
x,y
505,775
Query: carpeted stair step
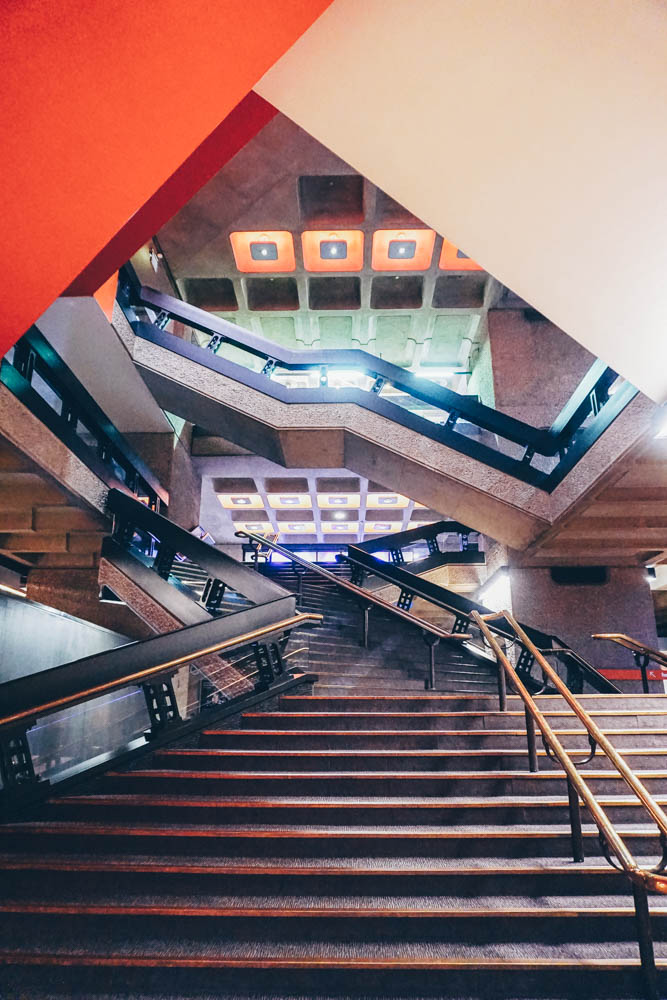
x,y
384,760
337,782
278,840
341,811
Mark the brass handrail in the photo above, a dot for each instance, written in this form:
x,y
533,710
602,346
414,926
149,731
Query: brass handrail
x,y
140,676
634,645
359,592
649,879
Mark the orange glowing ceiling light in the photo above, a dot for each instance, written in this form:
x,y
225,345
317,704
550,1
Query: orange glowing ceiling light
x,y
333,250
453,259
271,250
402,249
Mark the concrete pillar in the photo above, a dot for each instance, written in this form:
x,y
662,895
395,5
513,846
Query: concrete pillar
x,y
168,455
573,612
535,366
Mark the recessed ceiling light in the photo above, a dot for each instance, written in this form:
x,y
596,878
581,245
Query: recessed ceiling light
x,y
333,249
289,501
241,501
387,501
382,527
339,515
337,501
264,251
402,249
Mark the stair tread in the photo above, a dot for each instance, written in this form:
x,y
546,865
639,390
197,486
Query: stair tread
x,y
385,775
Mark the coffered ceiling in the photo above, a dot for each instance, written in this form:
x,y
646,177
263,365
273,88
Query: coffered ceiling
x,y
291,243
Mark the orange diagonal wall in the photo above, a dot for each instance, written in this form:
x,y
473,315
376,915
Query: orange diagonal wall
x,y
102,100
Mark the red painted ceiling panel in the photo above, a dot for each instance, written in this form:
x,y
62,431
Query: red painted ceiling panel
x,y
102,101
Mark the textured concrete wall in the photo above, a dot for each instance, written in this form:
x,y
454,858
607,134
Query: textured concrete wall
x,y
623,604
168,455
535,366
76,593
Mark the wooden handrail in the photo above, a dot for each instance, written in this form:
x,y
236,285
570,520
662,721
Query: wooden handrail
x,y
139,676
650,879
352,588
635,645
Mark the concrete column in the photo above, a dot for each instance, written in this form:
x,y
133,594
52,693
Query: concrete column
x,y
535,366
573,612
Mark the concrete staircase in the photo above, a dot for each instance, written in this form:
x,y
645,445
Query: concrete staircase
x,y
340,844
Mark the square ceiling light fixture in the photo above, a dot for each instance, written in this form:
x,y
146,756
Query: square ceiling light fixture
x,y
348,501
381,527
297,528
233,501
272,250
259,527
402,249
453,259
324,250
281,501
387,500
340,527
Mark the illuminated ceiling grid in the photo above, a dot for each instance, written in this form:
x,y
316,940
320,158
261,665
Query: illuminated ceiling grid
x,y
302,250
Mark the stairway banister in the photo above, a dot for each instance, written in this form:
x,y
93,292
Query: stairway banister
x,y
459,605
634,645
652,879
74,393
401,539
236,575
364,595
515,430
70,684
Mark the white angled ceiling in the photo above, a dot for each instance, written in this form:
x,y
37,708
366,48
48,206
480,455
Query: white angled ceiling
x,y
532,135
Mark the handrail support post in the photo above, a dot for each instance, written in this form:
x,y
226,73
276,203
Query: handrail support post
x,y
502,688
431,641
575,823
645,940
642,660
532,743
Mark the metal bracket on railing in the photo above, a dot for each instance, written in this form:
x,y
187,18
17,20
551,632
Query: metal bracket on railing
x,y
397,557
451,421
431,641
164,560
405,599
216,341
528,456
461,624
161,704
269,367
378,385
213,595
662,864
16,767
264,663
432,545
358,575
162,319
577,763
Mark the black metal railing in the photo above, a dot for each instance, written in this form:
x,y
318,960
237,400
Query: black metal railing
x,y
541,457
40,379
578,674
642,654
166,558
60,724
367,602
424,541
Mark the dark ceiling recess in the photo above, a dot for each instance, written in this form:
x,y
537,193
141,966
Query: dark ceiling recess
x,y
214,294
294,515
384,514
591,576
272,294
399,292
347,484
234,486
334,293
390,213
464,291
332,199
287,485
